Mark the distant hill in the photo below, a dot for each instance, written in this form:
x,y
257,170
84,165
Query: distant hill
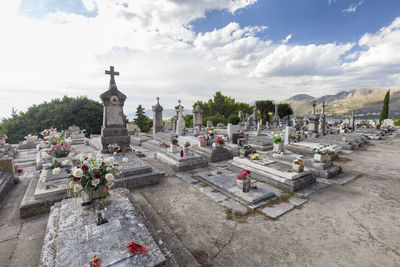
x,y
364,101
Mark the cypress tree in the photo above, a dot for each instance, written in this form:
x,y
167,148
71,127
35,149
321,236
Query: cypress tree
x,y
385,108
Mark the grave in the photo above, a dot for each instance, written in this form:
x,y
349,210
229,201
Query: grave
x,y
262,143
197,117
76,137
212,154
6,182
225,181
273,172
189,161
157,117
73,238
114,130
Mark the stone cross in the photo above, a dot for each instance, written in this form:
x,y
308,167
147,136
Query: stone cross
x,y
313,107
158,100
111,72
179,101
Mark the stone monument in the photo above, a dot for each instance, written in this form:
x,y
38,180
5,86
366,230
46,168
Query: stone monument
x,y
255,116
313,120
76,136
157,117
276,118
322,120
114,130
180,124
197,117
353,121
241,116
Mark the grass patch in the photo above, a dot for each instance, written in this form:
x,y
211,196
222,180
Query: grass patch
x,y
204,185
196,182
229,214
238,214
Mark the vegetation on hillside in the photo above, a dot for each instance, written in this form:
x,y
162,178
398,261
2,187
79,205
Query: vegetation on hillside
x,y
58,113
142,121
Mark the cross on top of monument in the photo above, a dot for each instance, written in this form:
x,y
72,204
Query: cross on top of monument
x,y
158,100
179,101
111,72
314,103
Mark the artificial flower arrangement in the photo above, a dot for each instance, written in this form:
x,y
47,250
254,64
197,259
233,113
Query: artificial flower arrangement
x,y
93,172
60,150
344,128
186,144
201,138
174,141
255,156
163,144
320,150
299,161
31,138
277,138
52,136
113,148
220,141
243,174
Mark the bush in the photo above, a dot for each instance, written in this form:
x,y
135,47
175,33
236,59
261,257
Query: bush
x,y
216,119
397,122
234,119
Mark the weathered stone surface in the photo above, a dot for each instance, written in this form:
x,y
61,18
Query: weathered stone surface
x,y
213,154
189,161
73,238
277,210
6,184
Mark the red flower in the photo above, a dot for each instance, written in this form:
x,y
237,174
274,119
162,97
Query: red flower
x,y
97,175
133,150
102,164
76,179
135,248
85,167
248,171
45,139
85,159
19,170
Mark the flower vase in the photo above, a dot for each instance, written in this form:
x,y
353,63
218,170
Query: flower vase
x,y
242,183
216,145
298,168
173,148
185,149
123,149
85,197
319,158
202,144
278,147
99,192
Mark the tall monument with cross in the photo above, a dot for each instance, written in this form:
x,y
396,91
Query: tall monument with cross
x,y
313,120
322,120
114,130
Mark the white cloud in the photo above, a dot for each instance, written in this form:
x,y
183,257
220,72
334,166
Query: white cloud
x,y
152,45
353,7
284,41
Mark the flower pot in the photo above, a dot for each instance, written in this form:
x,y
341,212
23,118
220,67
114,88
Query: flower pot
x,y
320,158
344,139
278,148
112,151
123,149
243,183
210,141
202,144
173,148
216,145
88,194
185,150
298,168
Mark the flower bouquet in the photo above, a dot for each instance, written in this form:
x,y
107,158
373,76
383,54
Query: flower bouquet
x,y
60,151
242,180
52,137
174,144
218,142
186,146
201,140
256,156
298,165
320,153
93,176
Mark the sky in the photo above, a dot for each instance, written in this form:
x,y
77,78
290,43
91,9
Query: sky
x,y
189,49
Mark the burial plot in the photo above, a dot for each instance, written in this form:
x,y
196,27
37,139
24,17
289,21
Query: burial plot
x,y
189,161
73,238
276,173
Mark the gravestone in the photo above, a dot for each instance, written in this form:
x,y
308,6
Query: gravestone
x,y
276,118
353,121
114,130
322,121
180,124
241,116
132,129
197,117
287,131
76,136
255,116
313,120
3,139
210,124
157,117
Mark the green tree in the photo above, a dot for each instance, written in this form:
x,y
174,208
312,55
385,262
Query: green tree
x,y
58,113
142,121
385,108
234,119
188,118
284,109
265,107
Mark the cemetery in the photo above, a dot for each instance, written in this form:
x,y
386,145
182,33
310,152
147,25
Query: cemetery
x,y
119,198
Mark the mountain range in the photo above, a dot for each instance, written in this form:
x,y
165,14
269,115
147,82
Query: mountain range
x,y
363,101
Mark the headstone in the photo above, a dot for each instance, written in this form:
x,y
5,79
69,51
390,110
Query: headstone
x,y
114,130
313,120
76,136
132,128
220,124
197,117
241,116
322,121
180,124
313,107
255,116
276,118
232,129
157,117
210,124
388,123
287,131
353,121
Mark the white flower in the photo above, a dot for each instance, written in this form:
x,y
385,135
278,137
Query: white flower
x,y
56,171
110,184
115,153
109,176
95,182
109,161
78,157
77,188
78,173
125,160
66,163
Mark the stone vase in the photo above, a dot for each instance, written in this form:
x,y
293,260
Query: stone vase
x,y
185,150
173,148
278,147
88,194
298,168
210,141
242,183
319,158
216,145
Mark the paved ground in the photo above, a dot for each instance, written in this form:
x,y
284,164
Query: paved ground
x,y
357,224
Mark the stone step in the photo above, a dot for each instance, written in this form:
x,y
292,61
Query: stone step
x,y
6,184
